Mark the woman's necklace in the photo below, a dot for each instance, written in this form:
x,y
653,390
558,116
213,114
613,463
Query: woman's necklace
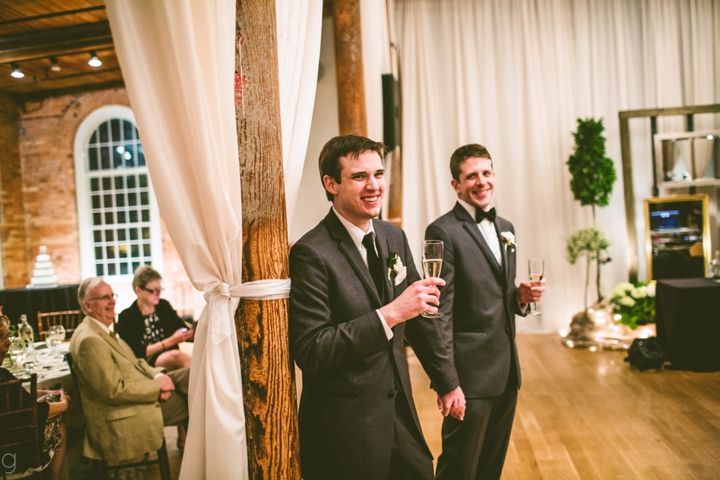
x,y
146,309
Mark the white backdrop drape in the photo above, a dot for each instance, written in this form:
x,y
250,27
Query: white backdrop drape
x,y
178,60
514,75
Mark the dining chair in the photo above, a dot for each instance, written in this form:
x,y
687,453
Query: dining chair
x,y
101,467
18,425
69,319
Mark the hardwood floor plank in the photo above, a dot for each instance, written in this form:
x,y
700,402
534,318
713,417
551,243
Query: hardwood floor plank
x,y
590,415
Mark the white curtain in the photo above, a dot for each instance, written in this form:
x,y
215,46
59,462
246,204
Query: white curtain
x,y
178,60
299,27
514,75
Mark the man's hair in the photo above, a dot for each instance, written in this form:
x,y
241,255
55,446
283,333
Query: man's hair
x,y
87,284
344,145
463,153
145,274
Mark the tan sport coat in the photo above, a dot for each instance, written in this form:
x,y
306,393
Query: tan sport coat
x,y
119,396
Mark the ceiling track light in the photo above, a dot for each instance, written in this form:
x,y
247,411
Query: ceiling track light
x,y
16,73
54,65
94,60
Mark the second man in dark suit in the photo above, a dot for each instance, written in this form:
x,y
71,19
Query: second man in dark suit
x,y
479,302
354,298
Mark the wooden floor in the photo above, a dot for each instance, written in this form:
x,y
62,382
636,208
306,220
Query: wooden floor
x,y
589,415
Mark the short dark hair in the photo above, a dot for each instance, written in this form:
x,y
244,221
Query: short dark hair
x,y
341,146
463,153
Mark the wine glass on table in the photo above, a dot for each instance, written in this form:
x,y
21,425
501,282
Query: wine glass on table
x,y
17,353
57,336
536,268
432,257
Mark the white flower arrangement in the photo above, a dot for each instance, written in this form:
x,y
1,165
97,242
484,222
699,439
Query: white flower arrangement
x,y
508,239
634,303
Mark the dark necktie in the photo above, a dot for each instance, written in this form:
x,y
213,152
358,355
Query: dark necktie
x,y
481,215
374,264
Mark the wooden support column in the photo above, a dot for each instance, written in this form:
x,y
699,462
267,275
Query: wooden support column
x,y
349,64
268,374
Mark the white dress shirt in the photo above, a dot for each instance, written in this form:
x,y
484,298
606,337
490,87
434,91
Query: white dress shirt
x,y
487,229
357,236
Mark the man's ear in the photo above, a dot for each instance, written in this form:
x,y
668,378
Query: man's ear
x,y
454,183
330,184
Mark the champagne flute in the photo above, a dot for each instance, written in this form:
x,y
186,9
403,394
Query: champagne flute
x,y
536,269
432,255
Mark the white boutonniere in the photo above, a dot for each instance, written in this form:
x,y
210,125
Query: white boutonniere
x,y
396,269
508,239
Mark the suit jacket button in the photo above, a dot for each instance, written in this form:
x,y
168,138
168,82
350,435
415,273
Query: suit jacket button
x,y
391,393
507,329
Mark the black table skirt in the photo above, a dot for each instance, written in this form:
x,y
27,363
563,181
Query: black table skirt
x,y
687,314
30,301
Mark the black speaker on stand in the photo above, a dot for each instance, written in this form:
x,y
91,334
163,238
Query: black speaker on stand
x,y
391,111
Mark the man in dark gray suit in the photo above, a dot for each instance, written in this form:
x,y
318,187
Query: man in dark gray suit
x,y
479,303
355,296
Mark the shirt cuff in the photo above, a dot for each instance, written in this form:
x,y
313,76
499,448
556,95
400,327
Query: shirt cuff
x,y
388,331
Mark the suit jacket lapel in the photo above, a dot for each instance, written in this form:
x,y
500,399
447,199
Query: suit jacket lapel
x,y
472,228
348,248
383,244
118,345
503,250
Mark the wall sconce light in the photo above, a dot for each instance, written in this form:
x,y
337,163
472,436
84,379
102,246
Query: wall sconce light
x,y
94,60
54,65
16,73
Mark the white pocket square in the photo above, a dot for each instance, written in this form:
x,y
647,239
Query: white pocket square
x,y
400,276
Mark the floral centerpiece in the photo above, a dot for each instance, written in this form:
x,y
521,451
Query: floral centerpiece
x,y
634,303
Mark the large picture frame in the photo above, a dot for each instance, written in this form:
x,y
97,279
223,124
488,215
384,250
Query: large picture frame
x,y
677,239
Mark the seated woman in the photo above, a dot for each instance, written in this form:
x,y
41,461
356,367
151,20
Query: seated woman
x,y
151,326
51,404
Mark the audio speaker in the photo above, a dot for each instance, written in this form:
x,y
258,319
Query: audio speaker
x,y
391,111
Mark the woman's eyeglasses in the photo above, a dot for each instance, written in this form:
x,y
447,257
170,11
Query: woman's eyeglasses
x,y
156,291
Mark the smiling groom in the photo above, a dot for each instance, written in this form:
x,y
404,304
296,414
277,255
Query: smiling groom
x,y
355,296
480,301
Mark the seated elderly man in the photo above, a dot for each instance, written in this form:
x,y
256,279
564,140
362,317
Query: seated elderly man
x,y
125,400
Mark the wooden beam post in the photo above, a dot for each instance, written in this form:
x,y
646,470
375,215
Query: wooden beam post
x,y
268,374
349,66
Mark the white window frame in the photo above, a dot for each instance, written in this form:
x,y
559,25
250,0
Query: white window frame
x,y
82,189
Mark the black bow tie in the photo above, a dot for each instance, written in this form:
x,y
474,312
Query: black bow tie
x,y
481,215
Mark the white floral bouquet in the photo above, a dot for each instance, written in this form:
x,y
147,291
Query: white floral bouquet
x,y
635,303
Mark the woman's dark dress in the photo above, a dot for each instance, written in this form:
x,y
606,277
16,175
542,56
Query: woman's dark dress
x,y
140,330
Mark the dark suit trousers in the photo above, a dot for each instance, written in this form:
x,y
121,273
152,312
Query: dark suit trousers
x,y
175,408
410,459
475,448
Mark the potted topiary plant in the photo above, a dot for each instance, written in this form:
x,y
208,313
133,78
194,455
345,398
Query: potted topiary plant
x,y
593,176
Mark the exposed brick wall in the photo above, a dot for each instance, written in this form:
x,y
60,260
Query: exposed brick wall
x,y
39,204
15,251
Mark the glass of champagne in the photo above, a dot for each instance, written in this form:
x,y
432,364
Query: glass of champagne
x,y
432,255
536,269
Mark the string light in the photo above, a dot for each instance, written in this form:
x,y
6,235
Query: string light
x,y
94,60
16,73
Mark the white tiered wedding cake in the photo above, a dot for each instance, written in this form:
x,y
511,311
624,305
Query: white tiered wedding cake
x,y
44,273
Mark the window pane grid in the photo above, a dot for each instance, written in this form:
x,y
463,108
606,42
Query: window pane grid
x,y
119,199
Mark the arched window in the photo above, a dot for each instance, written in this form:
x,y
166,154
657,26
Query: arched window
x,y
117,213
